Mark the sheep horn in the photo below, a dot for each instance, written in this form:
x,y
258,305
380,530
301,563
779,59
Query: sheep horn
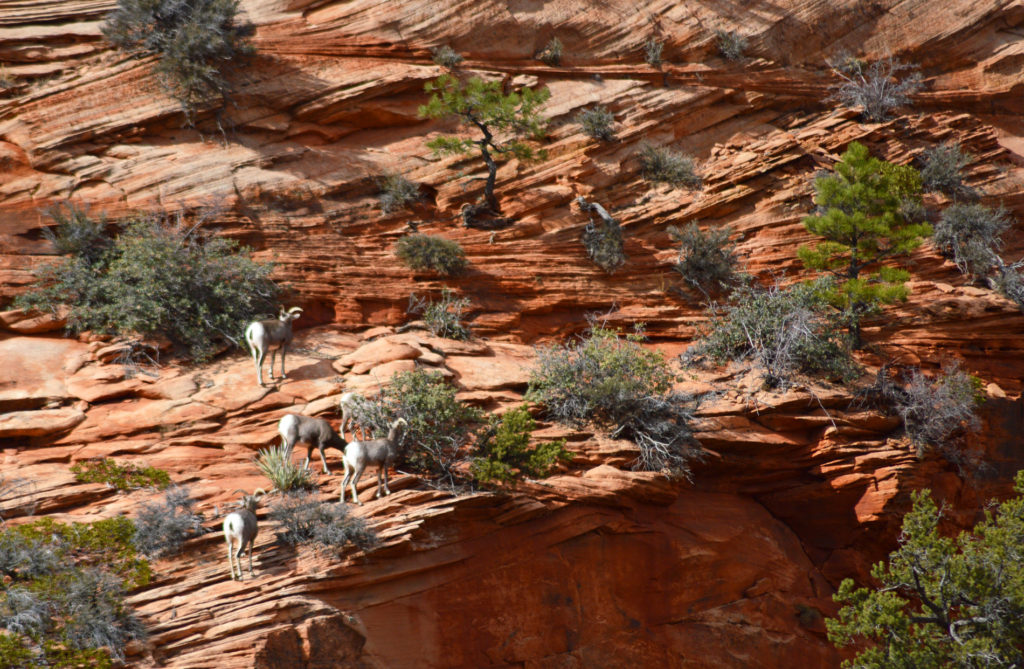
x,y
295,310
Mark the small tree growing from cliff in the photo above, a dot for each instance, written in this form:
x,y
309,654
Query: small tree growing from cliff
x,y
503,120
193,40
860,215
941,602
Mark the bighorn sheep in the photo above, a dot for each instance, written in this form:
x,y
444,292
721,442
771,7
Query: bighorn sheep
x,y
380,452
241,526
348,404
316,432
270,335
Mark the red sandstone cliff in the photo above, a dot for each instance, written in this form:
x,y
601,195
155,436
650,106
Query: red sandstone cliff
x,y
598,566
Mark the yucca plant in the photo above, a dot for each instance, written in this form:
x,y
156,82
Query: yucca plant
x,y
275,463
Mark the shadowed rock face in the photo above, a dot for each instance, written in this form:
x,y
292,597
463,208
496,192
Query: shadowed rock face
x,y
598,565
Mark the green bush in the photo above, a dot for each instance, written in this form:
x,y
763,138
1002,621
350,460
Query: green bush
x,y
551,54
428,252
396,192
616,383
122,477
504,452
941,601
162,528
444,316
707,260
731,44
970,235
782,332
439,426
663,165
943,170
597,123
158,277
276,464
445,56
194,40
304,519
63,590
652,52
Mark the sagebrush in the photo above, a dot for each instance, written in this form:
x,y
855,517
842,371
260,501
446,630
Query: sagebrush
x,y
597,123
445,56
161,528
943,170
707,259
396,192
665,165
878,88
551,54
971,236
305,519
731,44
430,252
782,332
444,315
652,51
936,411
612,380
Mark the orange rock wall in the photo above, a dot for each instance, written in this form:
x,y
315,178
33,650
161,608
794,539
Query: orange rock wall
x,y
597,566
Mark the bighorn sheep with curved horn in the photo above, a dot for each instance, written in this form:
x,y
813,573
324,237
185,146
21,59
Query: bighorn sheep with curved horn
x,y
262,336
380,452
241,526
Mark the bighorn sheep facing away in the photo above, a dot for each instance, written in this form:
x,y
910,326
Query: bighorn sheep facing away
x,y
380,452
316,432
270,335
241,526
348,404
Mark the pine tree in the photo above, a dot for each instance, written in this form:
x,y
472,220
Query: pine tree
x,y
503,120
862,219
941,602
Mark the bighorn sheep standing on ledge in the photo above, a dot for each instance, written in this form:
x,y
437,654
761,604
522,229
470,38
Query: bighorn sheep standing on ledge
x,y
316,432
348,404
380,452
241,526
270,335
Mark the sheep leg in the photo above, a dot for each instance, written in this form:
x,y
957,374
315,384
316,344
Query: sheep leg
x,y
379,470
355,480
283,349
273,352
309,456
344,481
251,575
258,355
324,460
231,553
387,491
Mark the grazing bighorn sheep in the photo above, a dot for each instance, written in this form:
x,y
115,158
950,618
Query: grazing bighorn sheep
x,y
241,526
316,432
380,452
270,335
348,404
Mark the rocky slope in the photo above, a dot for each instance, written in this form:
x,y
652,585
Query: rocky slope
x,y
597,565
